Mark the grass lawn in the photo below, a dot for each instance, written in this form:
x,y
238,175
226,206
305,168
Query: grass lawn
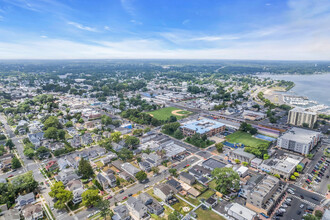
x,y
206,195
212,184
199,187
179,205
151,192
244,138
99,164
193,201
207,215
165,113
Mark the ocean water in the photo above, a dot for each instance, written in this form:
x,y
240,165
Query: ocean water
x,y
315,87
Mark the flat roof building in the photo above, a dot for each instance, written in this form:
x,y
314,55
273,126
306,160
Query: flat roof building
x,y
211,164
240,212
203,126
299,140
240,154
299,117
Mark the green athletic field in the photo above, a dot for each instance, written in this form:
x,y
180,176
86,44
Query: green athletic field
x,y
244,138
165,113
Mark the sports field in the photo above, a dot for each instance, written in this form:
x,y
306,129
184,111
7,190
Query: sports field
x,y
165,113
244,138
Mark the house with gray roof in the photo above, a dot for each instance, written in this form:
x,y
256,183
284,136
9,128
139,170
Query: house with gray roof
x,y
152,204
130,169
121,213
145,166
163,191
187,178
23,200
211,164
241,155
137,209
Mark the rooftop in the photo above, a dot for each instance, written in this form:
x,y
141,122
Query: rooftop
x,y
300,135
202,126
212,163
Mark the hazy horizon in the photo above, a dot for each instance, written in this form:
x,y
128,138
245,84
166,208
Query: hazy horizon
x,y
128,29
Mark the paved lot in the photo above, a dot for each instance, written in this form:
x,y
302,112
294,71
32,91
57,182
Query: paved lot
x,y
291,211
204,154
308,196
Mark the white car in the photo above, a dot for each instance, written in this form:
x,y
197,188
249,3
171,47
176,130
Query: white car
x,y
302,206
146,186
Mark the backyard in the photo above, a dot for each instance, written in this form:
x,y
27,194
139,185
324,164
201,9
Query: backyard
x,y
165,113
244,138
179,206
207,215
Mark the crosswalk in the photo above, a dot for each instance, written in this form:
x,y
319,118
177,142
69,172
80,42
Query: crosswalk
x,y
303,200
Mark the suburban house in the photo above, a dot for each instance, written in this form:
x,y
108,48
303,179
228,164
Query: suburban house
x,y
145,166
130,169
121,213
187,178
211,202
36,138
106,181
163,191
25,200
66,176
32,212
52,165
152,205
137,209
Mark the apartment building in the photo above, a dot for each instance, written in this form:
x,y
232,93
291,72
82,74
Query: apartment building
x,y
299,140
299,117
265,195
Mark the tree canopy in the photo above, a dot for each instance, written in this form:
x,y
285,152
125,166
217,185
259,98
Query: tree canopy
x,y
226,179
85,169
62,195
91,197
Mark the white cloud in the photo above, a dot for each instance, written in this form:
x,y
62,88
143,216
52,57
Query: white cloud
x,y
156,49
43,36
82,27
186,22
107,28
136,22
128,7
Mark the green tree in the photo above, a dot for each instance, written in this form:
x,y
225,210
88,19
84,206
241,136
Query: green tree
x,y
141,175
138,132
24,183
29,152
103,206
174,216
253,131
125,154
310,217
69,124
266,156
178,134
10,144
299,168
85,169
292,177
245,163
219,147
62,195
277,176
172,171
91,197
61,134
305,125
52,121
131,141
115,136
155,170
296,174
237,161
51,133
15,163
226,179
147,129
318,214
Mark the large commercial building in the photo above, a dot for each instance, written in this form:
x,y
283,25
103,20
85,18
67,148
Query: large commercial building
x,y
203,126
299,140
264,197
299,117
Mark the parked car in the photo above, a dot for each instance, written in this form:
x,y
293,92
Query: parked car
x,y
125,197
121,191
302,206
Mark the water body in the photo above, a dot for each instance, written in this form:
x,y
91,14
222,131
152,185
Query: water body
x,y
315,87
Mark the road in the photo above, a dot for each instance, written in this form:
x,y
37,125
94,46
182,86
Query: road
x,y
28,165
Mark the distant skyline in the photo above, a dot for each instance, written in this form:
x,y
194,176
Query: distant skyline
x,y
165,29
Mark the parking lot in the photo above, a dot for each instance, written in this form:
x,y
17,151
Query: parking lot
x,y
296,210
317,176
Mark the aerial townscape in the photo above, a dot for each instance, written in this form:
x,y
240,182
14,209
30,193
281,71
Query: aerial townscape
x,y
164,110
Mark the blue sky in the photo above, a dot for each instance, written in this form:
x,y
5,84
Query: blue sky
x,y
184,29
